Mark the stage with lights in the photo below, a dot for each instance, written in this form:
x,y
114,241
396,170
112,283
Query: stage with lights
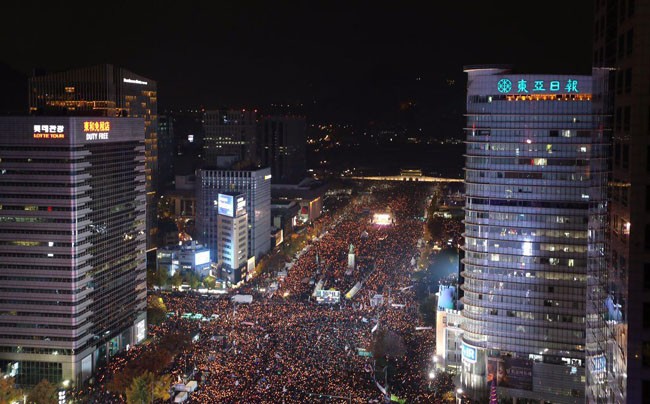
x,y
382,219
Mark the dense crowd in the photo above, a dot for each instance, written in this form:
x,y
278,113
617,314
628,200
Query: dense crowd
x,y
287,348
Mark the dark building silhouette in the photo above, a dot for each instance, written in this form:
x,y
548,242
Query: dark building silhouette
x,y
281,143
229,137
13,91
166,153
621,38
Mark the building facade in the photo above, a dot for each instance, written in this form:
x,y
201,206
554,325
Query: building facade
x,y
281,145
621,37
308,194
166,153
229,138
72,244
109,91
448,341
189,256
232,227
527,268
255,184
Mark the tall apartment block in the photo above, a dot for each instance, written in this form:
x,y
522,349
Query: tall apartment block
x,y
109,91
255,185
533,315
281,144
622,42
72,244
229,138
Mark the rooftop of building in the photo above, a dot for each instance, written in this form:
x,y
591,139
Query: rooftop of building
x,y
308,188
191,245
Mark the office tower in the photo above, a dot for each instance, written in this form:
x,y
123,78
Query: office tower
x,y
72,244
110,91
232,227
621,35
255,184
166,153
530,140
281,143
229,138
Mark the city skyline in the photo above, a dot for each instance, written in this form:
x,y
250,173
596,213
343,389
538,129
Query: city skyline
x,y
256,202
340,61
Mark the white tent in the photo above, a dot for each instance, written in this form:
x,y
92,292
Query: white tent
x,y
191,385
242,299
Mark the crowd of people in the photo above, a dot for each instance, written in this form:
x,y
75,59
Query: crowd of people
x,y
285,347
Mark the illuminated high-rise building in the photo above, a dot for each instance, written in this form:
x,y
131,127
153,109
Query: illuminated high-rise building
x,y
533,315
255,185
229,138
72,245
621,37
232,227
110,91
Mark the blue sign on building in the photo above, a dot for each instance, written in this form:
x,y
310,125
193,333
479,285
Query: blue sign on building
x,y
468,353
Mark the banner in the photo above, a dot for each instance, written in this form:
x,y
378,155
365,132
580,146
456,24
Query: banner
x,y
513,373
395,398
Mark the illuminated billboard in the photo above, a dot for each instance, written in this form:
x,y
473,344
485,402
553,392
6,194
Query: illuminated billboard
x,y
468,353
202,257
225,205
536,85
49,132
514,373
97,130
241,206
518,374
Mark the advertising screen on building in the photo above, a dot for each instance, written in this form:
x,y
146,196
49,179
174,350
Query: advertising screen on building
x,y
202,257
241,206
225,205
513,373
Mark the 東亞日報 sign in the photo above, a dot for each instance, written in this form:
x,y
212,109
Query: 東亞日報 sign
x,y
523,86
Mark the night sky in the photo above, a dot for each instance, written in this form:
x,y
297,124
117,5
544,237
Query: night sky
x,y
342,60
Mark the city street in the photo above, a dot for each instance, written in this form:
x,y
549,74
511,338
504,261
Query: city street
x,y
288,348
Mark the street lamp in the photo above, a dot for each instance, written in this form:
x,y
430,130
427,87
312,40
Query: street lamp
x,y
436,363
459,392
